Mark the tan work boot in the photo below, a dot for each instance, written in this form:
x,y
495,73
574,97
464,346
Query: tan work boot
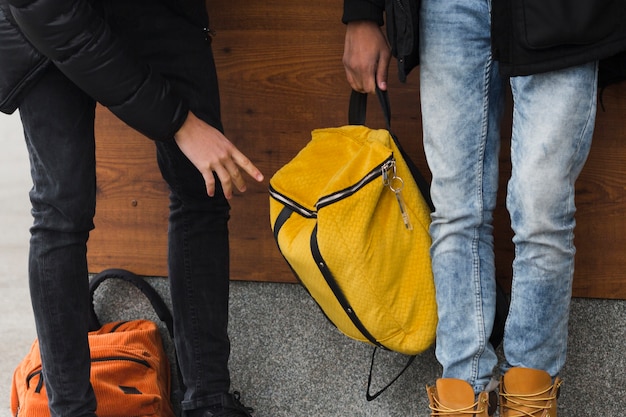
x,y
455,398
528,393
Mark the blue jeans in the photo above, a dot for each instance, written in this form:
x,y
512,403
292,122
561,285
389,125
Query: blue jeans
x,y
553,120
58,123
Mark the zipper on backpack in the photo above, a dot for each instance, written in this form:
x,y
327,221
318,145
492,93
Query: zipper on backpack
x,y
372,175
39,372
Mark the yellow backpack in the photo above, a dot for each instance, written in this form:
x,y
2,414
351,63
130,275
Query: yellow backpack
x,y
349,218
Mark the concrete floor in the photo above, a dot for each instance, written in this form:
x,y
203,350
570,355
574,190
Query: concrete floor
x,y
17,329
287,360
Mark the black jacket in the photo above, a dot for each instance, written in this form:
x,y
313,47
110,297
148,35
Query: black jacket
x,y
74,36
532,36
20,65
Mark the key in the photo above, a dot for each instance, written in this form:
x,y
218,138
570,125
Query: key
x,y
395,185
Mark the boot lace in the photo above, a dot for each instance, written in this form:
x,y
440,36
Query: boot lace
x,y
439,409
533,404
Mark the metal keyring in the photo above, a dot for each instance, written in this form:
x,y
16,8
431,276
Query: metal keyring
x,y
396,180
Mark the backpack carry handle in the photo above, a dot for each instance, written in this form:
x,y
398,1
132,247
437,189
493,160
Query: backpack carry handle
x,y
358,107
159,306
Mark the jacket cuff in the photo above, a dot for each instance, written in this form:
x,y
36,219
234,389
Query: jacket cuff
x,y
154,110
363,10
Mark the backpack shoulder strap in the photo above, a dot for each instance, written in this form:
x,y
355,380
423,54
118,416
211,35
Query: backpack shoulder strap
x,y
356,116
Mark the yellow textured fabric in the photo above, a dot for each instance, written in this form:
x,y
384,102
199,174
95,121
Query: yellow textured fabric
x,y
381,266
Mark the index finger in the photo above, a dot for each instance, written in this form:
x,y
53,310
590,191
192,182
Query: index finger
x,y
247,165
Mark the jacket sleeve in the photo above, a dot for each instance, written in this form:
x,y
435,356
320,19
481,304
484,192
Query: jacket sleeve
x,y
21,63
79,42
363,10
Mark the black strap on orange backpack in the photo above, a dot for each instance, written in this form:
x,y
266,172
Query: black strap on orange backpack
x,y
158,304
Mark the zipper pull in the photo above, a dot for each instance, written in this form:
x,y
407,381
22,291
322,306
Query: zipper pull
x,y
389,166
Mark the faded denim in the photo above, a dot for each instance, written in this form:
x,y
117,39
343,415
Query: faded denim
x,y
462,98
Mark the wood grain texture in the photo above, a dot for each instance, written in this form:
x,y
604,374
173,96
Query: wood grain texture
x,y
281,76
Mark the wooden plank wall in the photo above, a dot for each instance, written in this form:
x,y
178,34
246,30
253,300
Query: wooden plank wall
x,y
281,76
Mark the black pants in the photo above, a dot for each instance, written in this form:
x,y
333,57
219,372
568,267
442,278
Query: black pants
x,y
58,122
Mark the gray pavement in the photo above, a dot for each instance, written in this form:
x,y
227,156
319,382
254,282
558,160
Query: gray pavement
x,y
17,329
287,360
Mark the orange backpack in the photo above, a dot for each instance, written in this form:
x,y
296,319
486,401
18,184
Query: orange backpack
x,y
130,371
